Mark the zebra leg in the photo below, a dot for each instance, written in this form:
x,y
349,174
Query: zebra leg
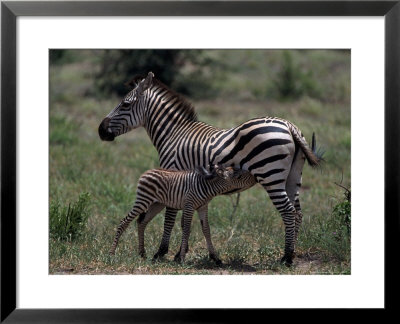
x,y
203,215
136,211
288,214
187,216
142,222
187,248
182,225
285,207
169,221
299,220
293,185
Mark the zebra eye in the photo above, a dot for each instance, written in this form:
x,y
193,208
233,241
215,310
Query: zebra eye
x,y
125,104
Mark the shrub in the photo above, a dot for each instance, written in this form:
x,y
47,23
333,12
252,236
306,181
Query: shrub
x,y
336,232
68,222
292,82
342,212
181,70
331,236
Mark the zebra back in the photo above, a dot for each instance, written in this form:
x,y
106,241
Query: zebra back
x,y
172,187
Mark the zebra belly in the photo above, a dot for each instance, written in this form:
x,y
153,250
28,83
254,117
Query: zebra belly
x,y
178,200
174,199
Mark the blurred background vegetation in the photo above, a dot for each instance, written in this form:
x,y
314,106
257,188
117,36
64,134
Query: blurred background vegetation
x,y
208,74
311,88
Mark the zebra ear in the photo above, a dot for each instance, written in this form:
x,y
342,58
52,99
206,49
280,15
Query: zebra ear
x,y
146,83
204,173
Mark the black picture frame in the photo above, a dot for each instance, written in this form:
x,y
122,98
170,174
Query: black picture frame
x,y
11,10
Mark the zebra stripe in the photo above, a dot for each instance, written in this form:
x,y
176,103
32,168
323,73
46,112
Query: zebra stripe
x,y
187,190
272,149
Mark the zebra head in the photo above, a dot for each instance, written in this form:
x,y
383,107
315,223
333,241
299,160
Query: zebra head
x,y
219,171
214,172
128,114
235,177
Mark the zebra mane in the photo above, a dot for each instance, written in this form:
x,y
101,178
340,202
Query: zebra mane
x,y
135,81
184,105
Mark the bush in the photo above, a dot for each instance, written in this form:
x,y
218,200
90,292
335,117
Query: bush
x,y
292,82
342,213
331,236
335,235
181,70
68,222
119,66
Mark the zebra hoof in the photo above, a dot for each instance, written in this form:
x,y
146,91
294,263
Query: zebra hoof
x,y
186,250
179,259
159,255
163,250
287,260
217,261
142,254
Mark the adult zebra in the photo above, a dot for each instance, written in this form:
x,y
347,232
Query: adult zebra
x,y
272,149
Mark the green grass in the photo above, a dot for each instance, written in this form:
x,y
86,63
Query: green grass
x,y
68,222
252,241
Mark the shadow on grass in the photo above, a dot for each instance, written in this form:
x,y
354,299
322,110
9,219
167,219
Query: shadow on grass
x,y
205,263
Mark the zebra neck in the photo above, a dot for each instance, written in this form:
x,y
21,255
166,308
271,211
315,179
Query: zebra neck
x,y
166,116
175,132
216,186
163,134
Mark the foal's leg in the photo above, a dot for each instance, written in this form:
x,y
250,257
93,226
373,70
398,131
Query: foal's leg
x,y
203,215
136,211
169,221
143,220
187,216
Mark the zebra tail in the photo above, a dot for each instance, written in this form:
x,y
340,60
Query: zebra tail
x,y
313,155
318,151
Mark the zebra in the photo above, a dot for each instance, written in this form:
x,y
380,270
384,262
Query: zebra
x,y
187,190
272,149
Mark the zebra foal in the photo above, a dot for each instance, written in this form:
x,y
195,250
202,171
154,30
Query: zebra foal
x,y
187,190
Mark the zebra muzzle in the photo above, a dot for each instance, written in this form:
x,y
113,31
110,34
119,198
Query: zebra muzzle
x,y
104,132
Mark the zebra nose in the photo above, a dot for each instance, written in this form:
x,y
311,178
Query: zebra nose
x,y
104,133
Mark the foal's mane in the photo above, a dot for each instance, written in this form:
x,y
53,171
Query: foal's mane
x,y
183,104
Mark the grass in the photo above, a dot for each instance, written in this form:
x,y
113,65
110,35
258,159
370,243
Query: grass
x,y
68,222
252,241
